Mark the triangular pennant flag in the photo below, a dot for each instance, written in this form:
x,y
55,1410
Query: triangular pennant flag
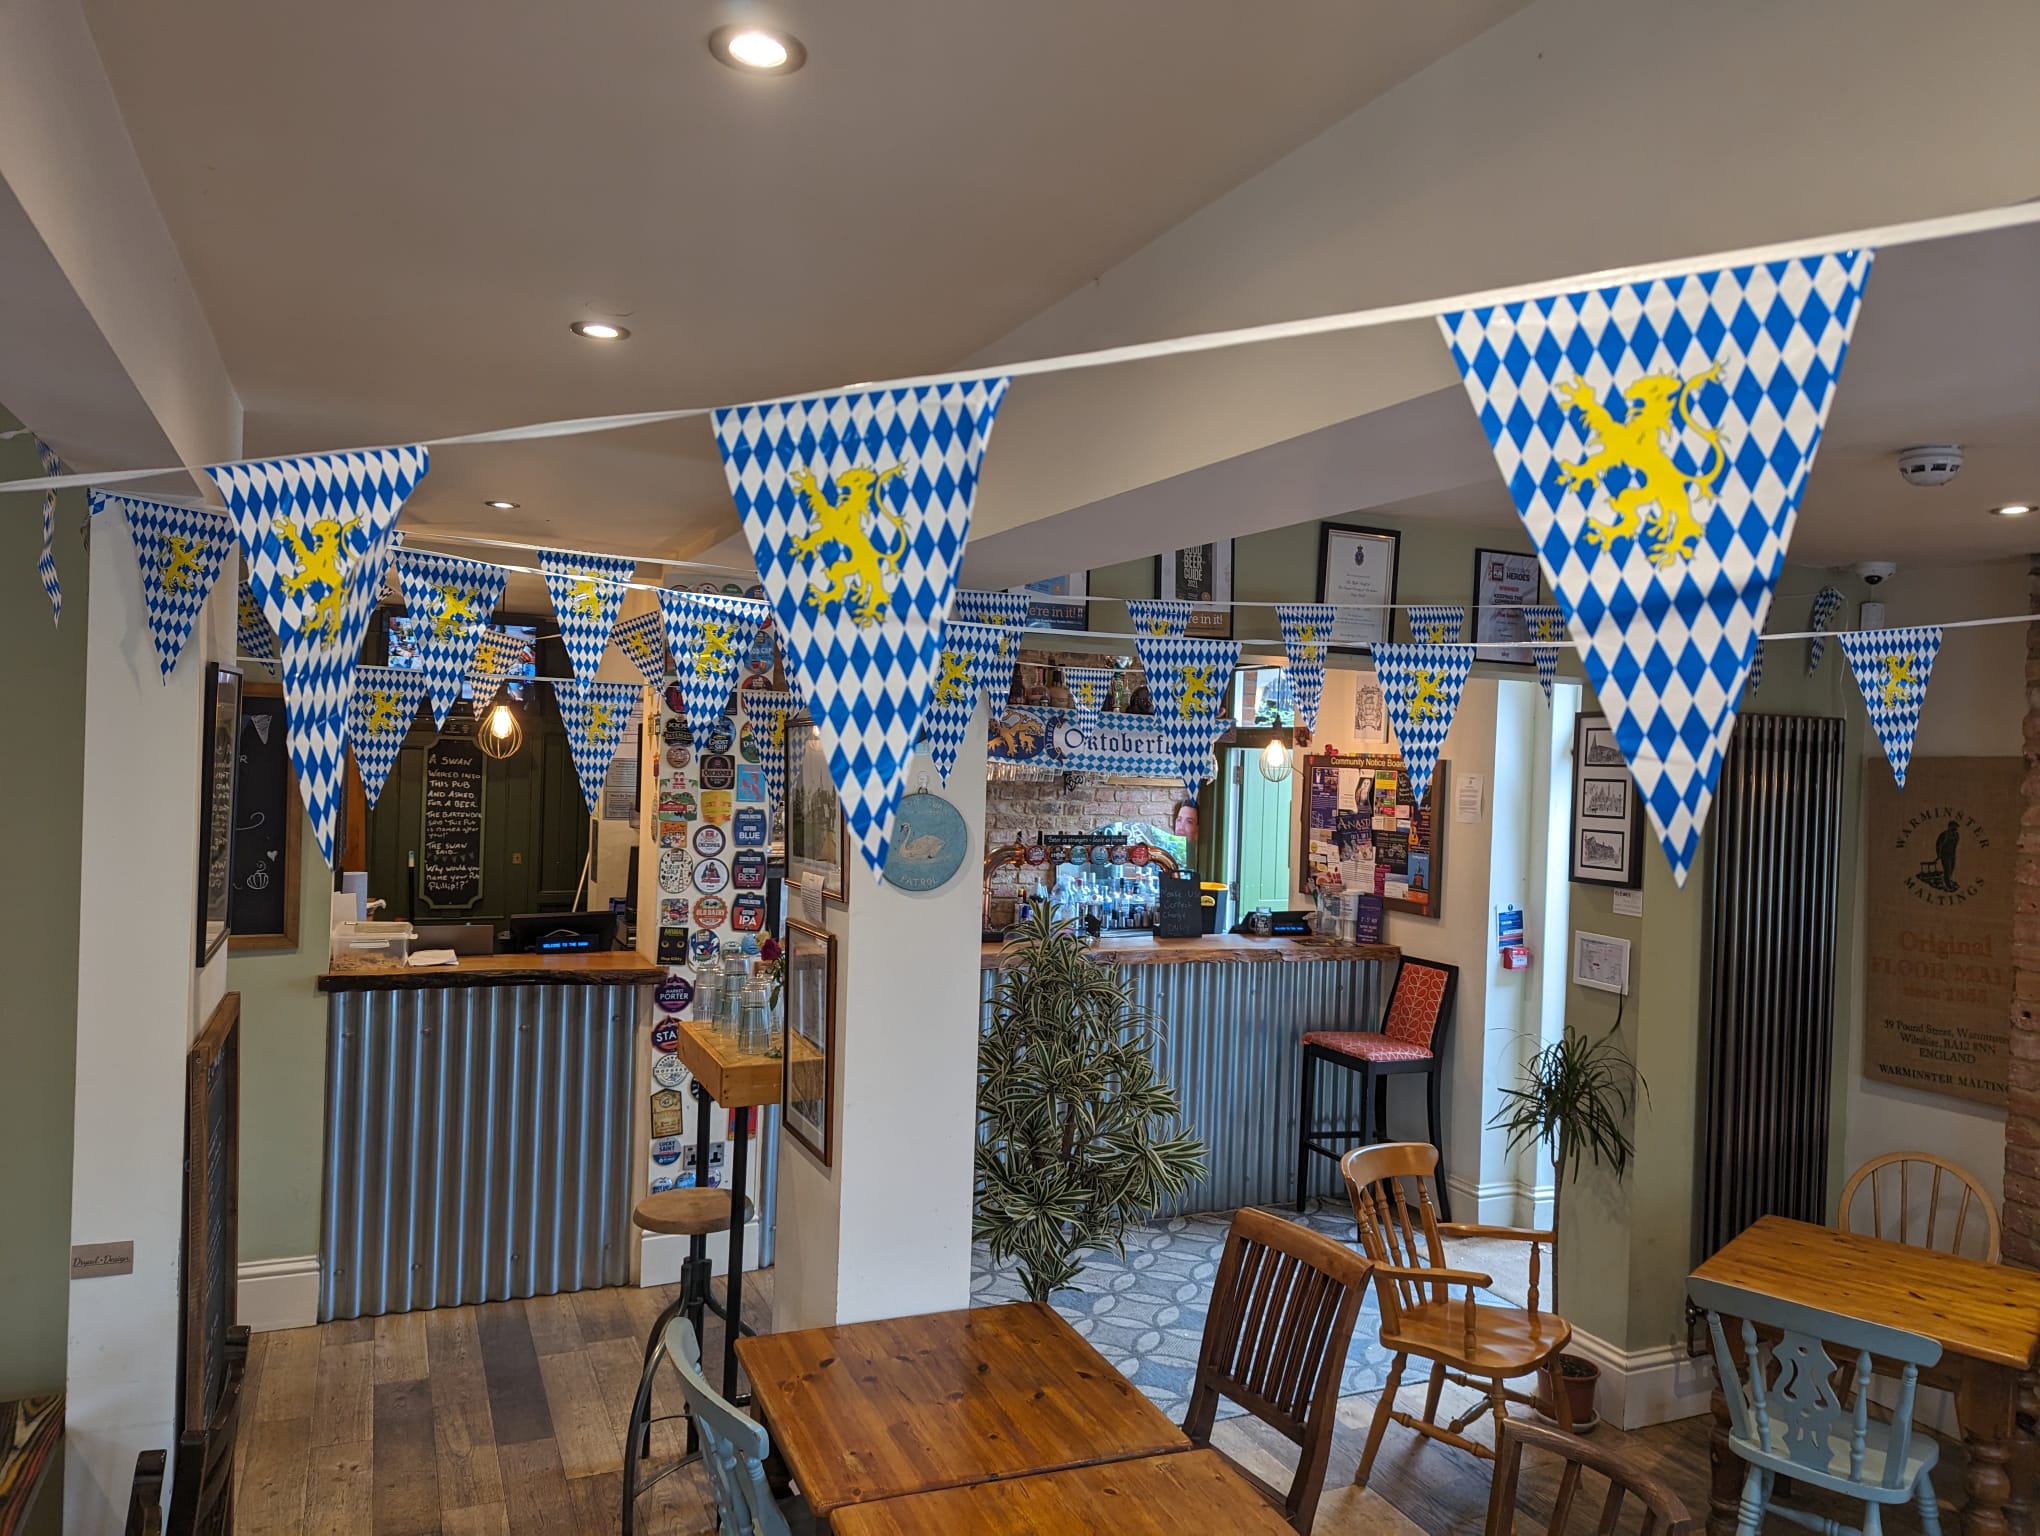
x,y
253,636
449,602
597,719
969,652
386,701
178,554
1190,685
768,710
710,636
1306,636
643,639
1090,695
1004,612
498,656
318,534
586,592
1159,615
1545,625
1421,685
1827,602
857,509
1892,667
993,656
1436,623
46,562
1656,438
1756,673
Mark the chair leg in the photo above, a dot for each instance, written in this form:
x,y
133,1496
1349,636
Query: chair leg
x,y
1305,1114
639,1432
1499,1400
1431,1393
1380,1127
1750,1513
1432,1095
1930,1511
1379,1427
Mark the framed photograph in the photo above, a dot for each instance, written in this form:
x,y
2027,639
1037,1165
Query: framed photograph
x,y
816,840
1503,582
1200,574
1052,602
1607,814
808,1046
1358,566
216,808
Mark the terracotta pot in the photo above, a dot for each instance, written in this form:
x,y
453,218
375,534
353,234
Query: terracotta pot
x,y
1582,1380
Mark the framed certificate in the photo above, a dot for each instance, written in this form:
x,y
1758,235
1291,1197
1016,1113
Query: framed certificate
x,y
1201,574
1356,568
1504,581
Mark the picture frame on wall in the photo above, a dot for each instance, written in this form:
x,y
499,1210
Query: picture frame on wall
x,y
817,842
1056,602
1357,566
216,808
1200,574
1607,813
808,1039
1505,581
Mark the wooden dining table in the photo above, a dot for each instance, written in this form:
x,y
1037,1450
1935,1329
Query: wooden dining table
x,y
862,1412
1985,1316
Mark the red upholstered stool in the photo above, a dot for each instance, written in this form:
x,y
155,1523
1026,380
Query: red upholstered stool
x,y
1411,1039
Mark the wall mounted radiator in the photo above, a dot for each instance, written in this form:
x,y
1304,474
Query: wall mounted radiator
x,y
1769,1039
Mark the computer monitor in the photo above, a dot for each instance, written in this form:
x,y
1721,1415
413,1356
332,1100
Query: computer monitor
x,y
560,933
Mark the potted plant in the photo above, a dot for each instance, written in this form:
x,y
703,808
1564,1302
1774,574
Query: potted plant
x,y
1071,1108
1574,1100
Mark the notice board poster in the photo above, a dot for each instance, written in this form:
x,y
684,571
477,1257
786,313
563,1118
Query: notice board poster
x,y
1938,933
1366,834
450,847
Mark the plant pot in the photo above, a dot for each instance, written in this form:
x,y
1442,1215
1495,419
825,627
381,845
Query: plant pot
x,y
1582,1380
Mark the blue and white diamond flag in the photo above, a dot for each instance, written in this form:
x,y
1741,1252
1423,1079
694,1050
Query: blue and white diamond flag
x,y
970,653
597,718
1306,637
768,710
46,562
1756,673
643,639
319,534
449,602
1090,694
1005,612
1656,438
1436,623
385,703
710,635
1827,602
1190,685
586,592
178,554
1421,685
499,656
1159,615
1545,625
857,508
1892,667
252,633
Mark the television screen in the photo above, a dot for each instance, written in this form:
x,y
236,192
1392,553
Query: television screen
x,y
404,650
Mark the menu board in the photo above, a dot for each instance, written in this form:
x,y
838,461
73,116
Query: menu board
x,y
450,846
1366,834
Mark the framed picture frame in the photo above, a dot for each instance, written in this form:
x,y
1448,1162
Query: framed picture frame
x,y
1054,602
1358,565
222,729
1504,582
1607,813
808,1039
262,911
1202,574
1601,961
817,842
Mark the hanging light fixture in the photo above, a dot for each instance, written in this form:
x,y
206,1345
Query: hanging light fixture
x,y
1275,760
501,735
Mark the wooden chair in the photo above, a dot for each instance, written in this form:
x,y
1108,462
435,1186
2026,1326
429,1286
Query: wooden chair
x,y
1470,1342
1663,1512
1796,1425
1965,1189
733,1448
1275,1342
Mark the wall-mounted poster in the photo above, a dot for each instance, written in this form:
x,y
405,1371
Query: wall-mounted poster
x,y
1356,566
1200,574
216,808
1938,935
1055,602
1503,582
1366,834
1607,813
816,840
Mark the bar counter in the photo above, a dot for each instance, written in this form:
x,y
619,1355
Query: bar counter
x,y
621,968
1145,949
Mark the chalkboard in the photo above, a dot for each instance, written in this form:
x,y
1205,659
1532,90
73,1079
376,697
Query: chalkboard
x,y
1181,913
450,843
263,905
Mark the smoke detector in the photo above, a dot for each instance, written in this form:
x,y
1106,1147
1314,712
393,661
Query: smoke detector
x,y
1929,465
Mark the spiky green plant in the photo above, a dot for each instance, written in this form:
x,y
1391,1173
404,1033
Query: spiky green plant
x,y
1070,1107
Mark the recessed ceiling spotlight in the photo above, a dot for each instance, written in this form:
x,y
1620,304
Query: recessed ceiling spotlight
x,y
2011,509
757,50
500,506
599,330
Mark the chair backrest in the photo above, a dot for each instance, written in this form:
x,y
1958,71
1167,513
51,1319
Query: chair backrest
x,y
1389,1184
202,1493
1911,1176
1664,1514
1275,1341
733,1446
1420,1003
145,1496
1797,1415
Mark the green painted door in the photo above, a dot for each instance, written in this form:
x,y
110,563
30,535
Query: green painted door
x,y
1262,854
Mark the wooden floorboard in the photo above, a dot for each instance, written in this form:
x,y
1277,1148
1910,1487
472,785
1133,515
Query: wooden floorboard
x,y
516,1389
406,1476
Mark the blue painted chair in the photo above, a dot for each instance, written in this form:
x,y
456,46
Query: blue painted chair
x,y
1796,1425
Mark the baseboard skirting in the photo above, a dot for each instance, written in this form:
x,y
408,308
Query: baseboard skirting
x,y
1647,1386
278,1293
1504,1202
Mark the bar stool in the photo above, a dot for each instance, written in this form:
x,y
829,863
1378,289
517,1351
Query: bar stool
x,y
1411,1039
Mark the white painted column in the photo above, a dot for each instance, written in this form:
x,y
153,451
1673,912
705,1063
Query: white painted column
x,y
886,1231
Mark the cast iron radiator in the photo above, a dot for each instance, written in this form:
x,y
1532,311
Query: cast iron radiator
x,y
1769,1041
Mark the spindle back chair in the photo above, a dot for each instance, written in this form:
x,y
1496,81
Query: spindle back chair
x,y
1664,1513
1963,1188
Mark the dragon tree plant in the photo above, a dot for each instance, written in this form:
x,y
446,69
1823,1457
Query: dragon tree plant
x,y
1071,1110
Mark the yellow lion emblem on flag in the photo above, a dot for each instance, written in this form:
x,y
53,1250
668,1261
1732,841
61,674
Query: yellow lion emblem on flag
x,y
322,566
1642,444
382,712
715,649
860,577
1428,702
1200,695
1898,679
180,564
601,722
949,688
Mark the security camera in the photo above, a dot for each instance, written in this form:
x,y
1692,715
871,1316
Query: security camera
x,y
1874,572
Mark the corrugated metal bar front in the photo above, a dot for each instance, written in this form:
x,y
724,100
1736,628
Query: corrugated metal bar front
x,y
1229,1039
478,1145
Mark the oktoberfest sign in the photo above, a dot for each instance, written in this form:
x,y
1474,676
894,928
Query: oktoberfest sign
x,y
178,552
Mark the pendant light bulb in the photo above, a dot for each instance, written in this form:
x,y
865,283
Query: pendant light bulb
x,y
500,723
1275,763
500,735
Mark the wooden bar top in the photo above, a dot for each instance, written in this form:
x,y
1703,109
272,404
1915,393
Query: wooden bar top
x,y
1145,949
615,968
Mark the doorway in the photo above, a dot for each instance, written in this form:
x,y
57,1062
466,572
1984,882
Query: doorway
x,y
1258,826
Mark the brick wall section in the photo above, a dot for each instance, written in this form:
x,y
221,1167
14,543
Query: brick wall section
x,y
2022,1109
1016,809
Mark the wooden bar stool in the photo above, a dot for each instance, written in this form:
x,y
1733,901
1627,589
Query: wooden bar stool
x,y
1411,1039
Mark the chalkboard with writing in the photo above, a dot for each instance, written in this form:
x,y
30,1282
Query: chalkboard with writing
x,y
263,904
1182,910
450,846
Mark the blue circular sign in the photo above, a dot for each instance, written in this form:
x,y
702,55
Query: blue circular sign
x,y
929,844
